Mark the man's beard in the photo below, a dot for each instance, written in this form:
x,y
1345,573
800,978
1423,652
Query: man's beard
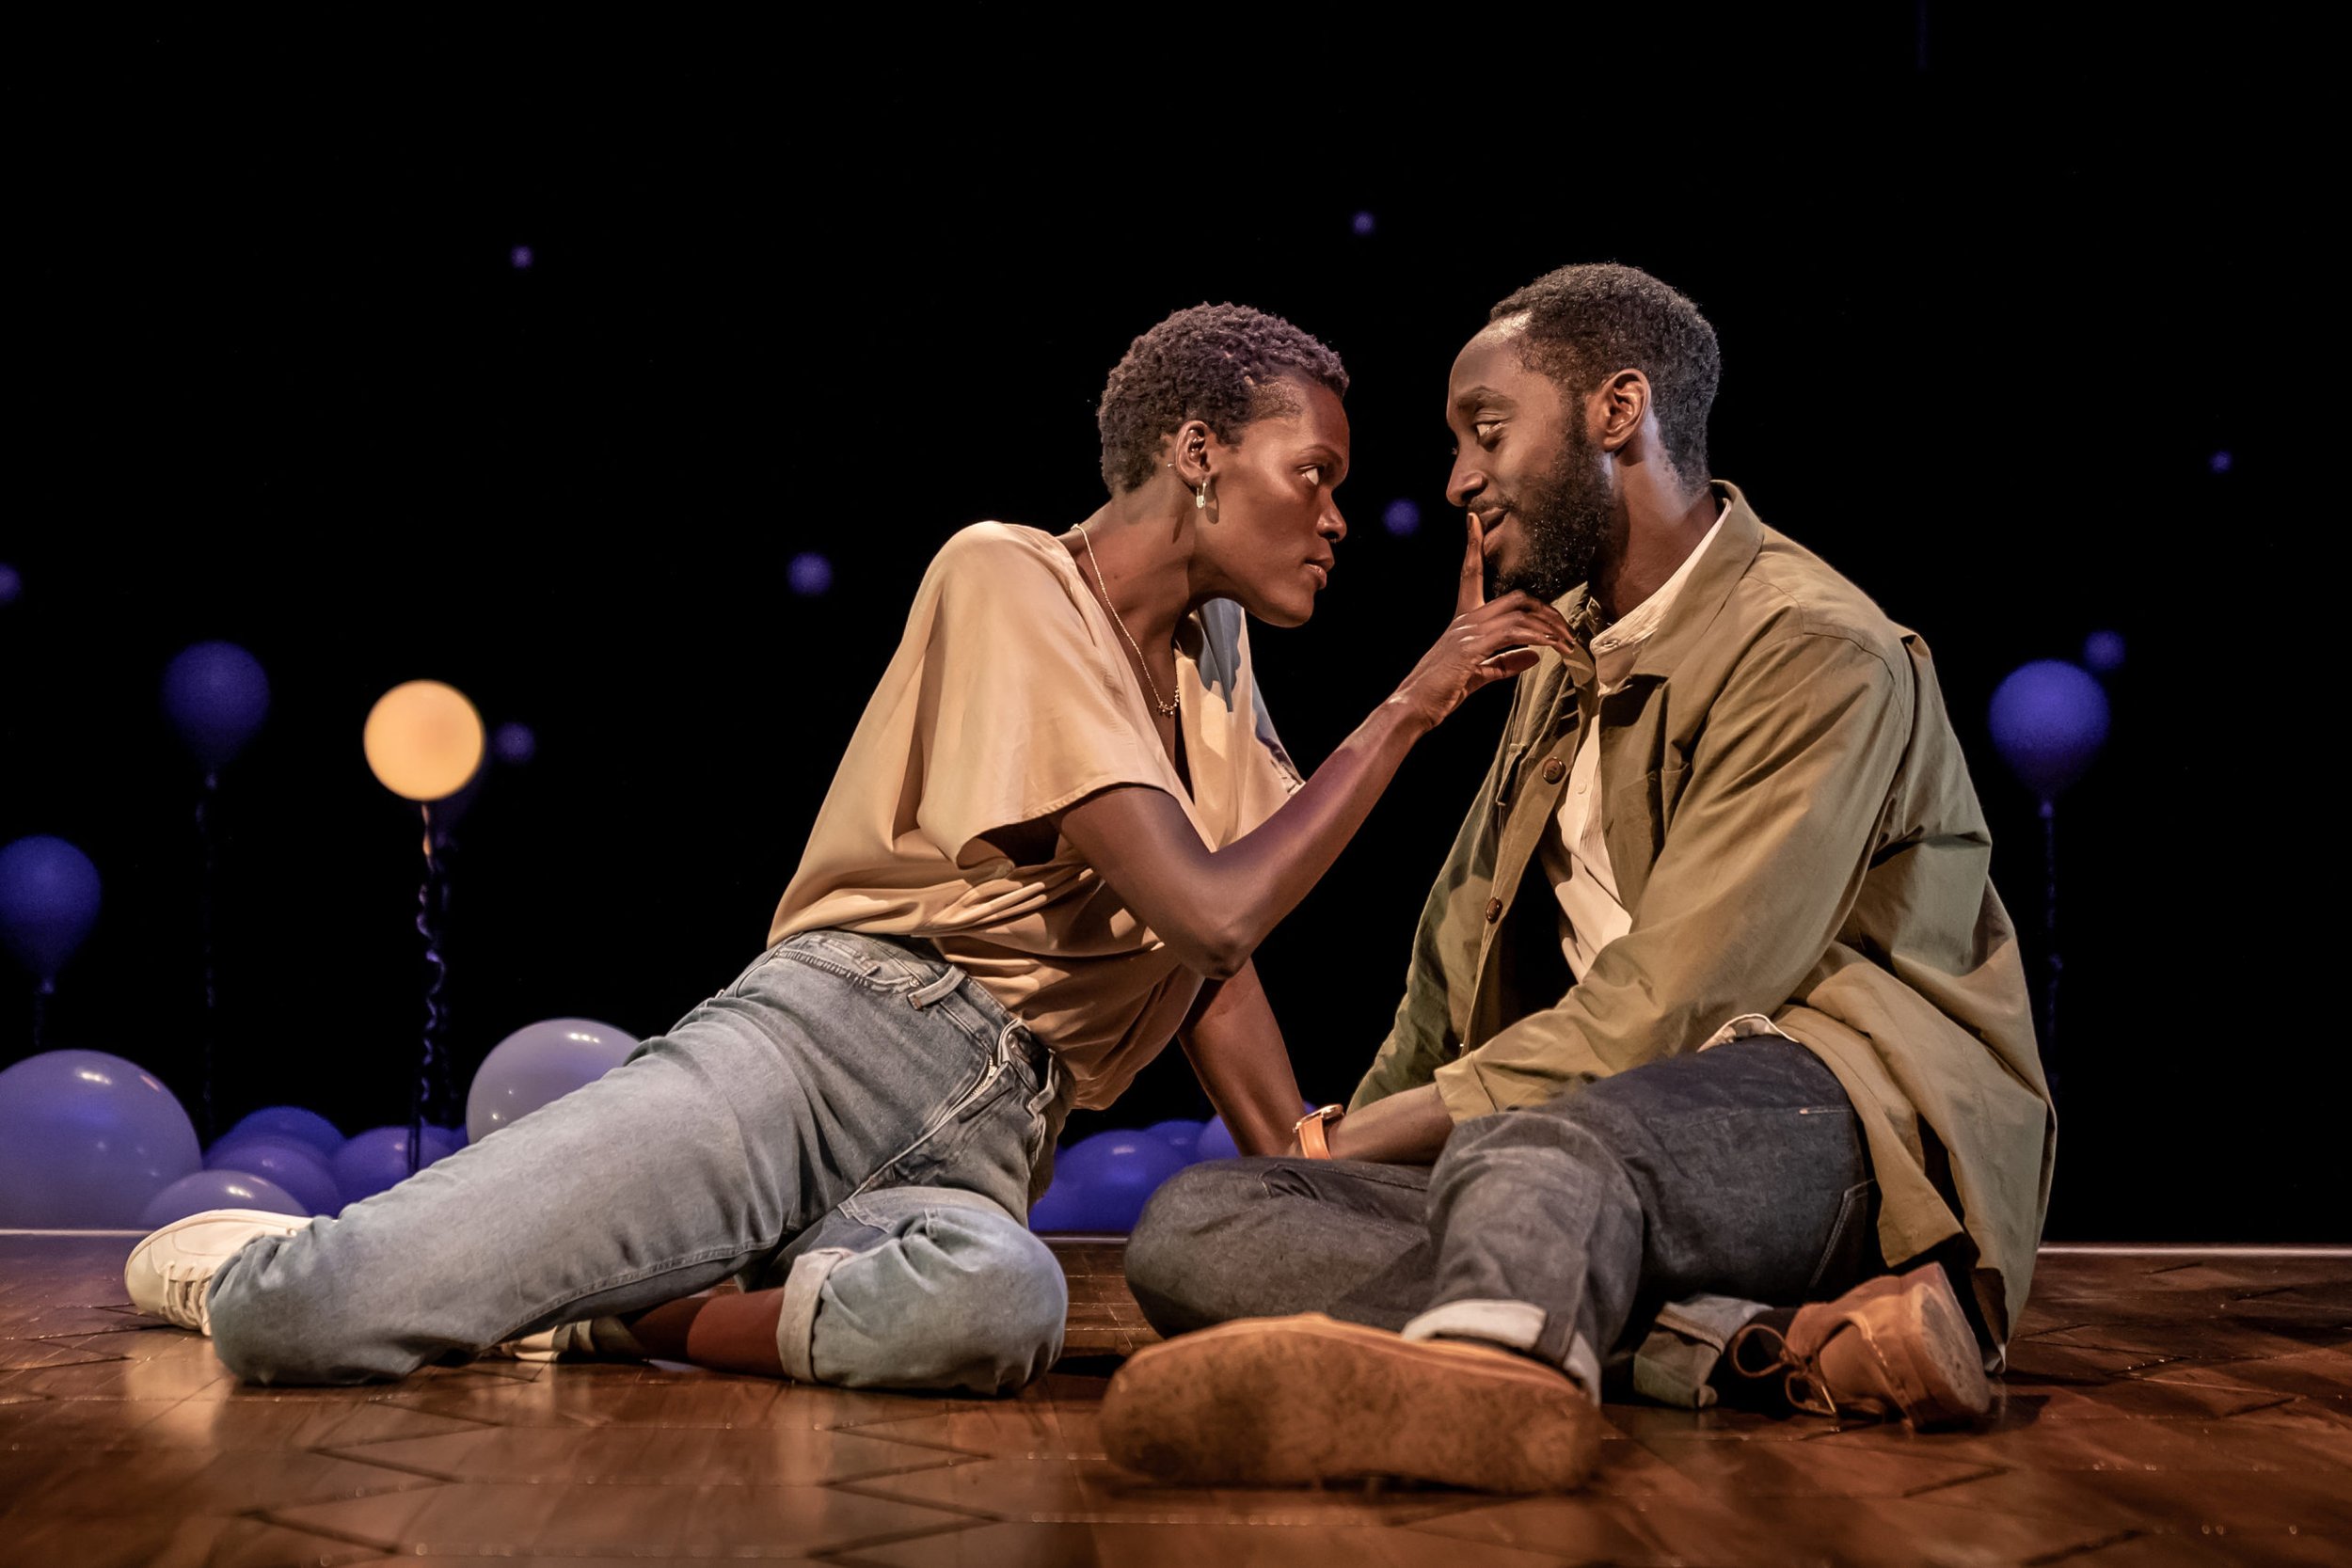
x,y
1565,517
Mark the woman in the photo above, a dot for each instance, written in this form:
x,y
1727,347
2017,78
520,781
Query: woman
x,y
1060,828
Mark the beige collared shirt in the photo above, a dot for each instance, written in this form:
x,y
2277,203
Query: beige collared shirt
x,y
1575,855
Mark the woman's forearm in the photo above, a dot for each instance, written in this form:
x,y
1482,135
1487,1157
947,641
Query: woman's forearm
x,y
1258,879
1236,1051
1215,907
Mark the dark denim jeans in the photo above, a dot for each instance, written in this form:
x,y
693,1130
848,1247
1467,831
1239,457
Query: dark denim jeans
x,y
1654,1211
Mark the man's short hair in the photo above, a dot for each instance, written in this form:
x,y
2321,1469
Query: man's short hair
x,y
1220,364
1587,322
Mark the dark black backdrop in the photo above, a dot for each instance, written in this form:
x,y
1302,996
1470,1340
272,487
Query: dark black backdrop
x,y
284,385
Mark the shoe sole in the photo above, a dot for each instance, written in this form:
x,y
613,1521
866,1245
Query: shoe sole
x,y
1939,1353
1293,1401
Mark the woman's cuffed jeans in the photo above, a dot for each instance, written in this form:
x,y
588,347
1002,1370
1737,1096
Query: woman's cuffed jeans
x,y
853,1120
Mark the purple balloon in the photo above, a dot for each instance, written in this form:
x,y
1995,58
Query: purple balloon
x,y
291,1121
85,1139
1105,1179
2049,719
1182,1136
537,1063
377,1159
216,695
217,1189
298,1167
48,902
1061,1208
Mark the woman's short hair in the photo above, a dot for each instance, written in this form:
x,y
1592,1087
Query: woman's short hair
x,y
1220,364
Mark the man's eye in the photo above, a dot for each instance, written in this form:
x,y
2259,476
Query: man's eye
x,y
1485,428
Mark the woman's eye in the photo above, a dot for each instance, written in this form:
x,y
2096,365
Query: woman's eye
x,y
1313,471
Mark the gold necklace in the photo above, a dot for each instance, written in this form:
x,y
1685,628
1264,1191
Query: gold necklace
x,y
1167,708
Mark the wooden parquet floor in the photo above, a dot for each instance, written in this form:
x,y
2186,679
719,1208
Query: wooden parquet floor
x,y
2182,1407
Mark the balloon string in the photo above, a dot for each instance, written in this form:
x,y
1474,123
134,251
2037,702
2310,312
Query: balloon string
x,y
444,1094
205,904
41,993
437,972
2057,964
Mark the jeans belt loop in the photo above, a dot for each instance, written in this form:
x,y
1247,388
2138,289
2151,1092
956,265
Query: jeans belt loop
x,y
932,990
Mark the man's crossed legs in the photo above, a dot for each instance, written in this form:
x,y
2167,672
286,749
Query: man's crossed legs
x,y
1661,1211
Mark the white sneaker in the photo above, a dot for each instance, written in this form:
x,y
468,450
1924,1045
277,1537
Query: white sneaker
x,y
170,1274
590,1340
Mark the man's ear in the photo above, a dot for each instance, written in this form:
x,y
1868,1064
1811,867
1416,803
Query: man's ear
x,y
1623,402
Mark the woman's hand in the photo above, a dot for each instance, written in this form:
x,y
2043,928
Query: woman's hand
x,y
1213,907
1486,641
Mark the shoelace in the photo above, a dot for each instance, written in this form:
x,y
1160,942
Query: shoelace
x,y
185,1297
1802,1386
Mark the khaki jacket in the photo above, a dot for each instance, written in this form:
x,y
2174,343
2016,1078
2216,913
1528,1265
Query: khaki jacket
x,y
1793,830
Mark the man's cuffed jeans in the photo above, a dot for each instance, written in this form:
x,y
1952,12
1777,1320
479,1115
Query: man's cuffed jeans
x,y
1652,1212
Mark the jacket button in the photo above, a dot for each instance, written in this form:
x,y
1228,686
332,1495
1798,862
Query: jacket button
x,y
1554,770
1494,910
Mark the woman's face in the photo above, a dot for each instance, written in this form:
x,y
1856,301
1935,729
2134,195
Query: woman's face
x,y
1271,522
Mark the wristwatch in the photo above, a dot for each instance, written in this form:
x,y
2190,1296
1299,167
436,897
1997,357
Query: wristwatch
x,y
1310,1130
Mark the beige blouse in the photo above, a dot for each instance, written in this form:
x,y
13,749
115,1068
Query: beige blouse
x,y
1011,697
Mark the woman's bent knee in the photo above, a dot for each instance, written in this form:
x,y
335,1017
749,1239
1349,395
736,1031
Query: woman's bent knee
x,y
959,1299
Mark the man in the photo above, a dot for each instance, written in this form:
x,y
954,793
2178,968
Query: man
x,y
1713,1012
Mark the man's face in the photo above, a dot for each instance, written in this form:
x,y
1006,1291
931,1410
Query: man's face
x,y
1525,463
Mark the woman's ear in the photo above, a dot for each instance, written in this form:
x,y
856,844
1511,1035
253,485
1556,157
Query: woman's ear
x,y
1188,453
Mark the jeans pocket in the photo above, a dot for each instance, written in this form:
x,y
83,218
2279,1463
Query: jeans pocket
x,y
864,961
1850,1254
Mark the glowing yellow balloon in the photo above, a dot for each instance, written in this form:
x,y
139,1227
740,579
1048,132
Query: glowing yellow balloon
x,y
424,740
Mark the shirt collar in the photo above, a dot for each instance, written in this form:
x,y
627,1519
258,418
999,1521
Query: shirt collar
x,y
1612,649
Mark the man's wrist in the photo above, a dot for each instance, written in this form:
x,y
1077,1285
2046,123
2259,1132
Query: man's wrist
x,y
1312,1131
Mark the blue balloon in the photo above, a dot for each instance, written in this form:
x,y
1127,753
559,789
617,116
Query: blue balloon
x,y
298,1167
1217,1139
85,1139
217,1189
48,902
1182,1136
377,1159
1062,1208
2049,719
2105,652
537,1063
216,695
291,1121
1110,1175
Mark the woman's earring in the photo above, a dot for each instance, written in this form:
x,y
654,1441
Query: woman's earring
x,y
1200,499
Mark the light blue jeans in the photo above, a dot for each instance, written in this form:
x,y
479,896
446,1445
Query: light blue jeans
x,y
853,1120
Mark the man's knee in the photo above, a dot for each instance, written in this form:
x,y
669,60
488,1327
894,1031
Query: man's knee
x,y
1171,1253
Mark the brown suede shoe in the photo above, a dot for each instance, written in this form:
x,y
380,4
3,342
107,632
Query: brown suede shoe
x,y
1891,1346
1292,1402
